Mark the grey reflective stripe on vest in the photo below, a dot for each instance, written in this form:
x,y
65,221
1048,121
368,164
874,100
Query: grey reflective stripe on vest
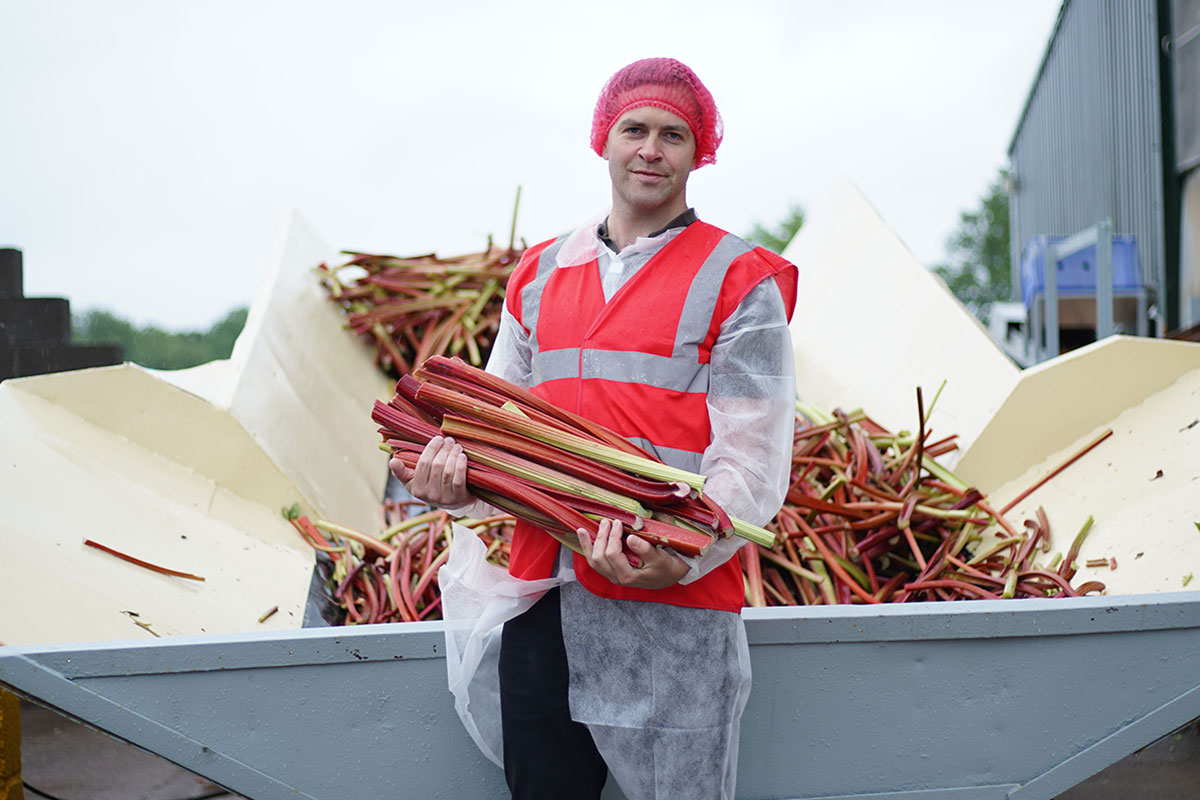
x,y
702,294
681,372
531,295
553,364
672,456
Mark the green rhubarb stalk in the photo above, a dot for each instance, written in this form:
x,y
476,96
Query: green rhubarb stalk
x,y
405,524
364,539
752,533
476,308
944,513
1067,570
826,584
603,475
948,477
795,569
814,414
944,475
818,417
933,402
994,549
536,473
838,480
826,427
511,407
853,570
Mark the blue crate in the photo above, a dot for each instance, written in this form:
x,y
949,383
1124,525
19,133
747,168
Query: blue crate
x,y
1077,272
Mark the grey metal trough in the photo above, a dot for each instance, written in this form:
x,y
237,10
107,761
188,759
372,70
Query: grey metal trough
x,y
926,701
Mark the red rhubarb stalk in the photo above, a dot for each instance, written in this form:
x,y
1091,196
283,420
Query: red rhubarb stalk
x,y
394,586
1008,507
754,578
141,563
962,586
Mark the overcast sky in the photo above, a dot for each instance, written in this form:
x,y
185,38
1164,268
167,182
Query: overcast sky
x,y
151,150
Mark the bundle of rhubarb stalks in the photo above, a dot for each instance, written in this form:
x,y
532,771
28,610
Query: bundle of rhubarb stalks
x,y
392,576
872,517
548,466
412,308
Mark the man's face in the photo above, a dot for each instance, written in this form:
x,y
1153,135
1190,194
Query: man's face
x,y
650,152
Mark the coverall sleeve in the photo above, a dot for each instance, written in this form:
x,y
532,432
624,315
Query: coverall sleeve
x,y
752,410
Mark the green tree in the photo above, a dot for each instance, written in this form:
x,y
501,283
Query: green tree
x,y
979,265
224,333
778,239
155,348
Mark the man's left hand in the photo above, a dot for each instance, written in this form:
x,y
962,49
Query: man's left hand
x,y
659,568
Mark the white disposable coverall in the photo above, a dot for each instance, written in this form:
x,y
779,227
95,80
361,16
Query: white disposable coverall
x,y
661,687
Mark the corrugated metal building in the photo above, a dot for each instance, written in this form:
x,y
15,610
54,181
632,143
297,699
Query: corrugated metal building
x,y
1111,130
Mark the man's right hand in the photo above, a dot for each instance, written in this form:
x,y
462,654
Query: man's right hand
x,y
440,475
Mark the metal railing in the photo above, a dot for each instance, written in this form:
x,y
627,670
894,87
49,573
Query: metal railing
x,y
1100,236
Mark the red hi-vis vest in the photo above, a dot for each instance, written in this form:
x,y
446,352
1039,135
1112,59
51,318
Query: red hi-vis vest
x,y
639,365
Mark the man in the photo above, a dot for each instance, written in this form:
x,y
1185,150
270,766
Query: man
x,y
673,333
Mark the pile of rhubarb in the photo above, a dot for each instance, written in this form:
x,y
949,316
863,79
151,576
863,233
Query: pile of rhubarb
x,y
411,308
392,576
871,517
548,466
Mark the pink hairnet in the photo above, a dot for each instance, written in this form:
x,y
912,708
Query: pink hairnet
x,y
667,84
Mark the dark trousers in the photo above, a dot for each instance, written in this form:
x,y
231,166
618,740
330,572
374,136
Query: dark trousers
x,y
547,755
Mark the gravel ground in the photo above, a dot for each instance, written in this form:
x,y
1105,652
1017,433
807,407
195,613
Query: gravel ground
x,y
1169,769
64,760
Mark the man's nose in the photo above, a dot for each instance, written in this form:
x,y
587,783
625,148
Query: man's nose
x,y
649,151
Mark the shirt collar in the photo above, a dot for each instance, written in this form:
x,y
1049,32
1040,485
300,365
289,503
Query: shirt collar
x,y
682,221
